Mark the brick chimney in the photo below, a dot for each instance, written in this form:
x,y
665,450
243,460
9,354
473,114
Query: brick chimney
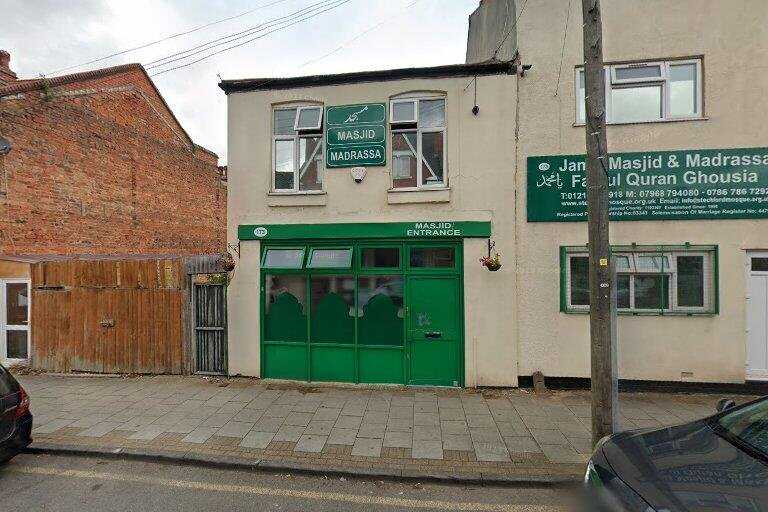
x,y
6,75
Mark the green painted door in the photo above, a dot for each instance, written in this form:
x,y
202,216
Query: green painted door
x,y
434,323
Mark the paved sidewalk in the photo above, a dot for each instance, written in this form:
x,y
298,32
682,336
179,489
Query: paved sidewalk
x,y
492,434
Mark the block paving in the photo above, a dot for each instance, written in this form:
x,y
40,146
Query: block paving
x,y
410,431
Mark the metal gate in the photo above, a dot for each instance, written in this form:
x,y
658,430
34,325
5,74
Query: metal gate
x,y
210,307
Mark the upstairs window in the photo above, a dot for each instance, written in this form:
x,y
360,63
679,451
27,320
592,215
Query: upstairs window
x,y
297,149
648,91
418,142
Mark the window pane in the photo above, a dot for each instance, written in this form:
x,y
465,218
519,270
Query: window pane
x,y
381,257
759,264
331,258
635,73
17,344
432,150
652,292
403,165
333,305
310,163
581,107
404,156
16,303
404,112
683,91
653,263
309,118
432,257
285,318
381,310
622,264
579,270
284,258
632,104
284,121
690,281
283,164
431,113
622,291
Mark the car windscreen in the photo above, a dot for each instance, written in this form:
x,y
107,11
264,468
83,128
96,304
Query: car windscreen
x,y
748,425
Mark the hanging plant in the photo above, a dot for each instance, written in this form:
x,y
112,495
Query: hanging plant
x,y
492,263
227,262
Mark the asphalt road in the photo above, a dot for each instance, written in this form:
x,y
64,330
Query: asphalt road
x,y
77,484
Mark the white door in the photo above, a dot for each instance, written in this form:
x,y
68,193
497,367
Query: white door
x,y
14,320
757,316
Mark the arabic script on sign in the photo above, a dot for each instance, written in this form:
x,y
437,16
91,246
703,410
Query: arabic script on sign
x,y
353,116
550,180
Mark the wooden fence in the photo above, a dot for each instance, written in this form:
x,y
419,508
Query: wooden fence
x,y
111,316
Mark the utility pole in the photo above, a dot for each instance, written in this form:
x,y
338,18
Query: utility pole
x,y
602,294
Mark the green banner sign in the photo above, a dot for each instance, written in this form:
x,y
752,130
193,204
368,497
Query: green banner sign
x,y
654,185
372,230
356,135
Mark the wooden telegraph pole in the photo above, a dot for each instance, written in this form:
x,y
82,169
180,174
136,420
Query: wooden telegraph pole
x,y
602,294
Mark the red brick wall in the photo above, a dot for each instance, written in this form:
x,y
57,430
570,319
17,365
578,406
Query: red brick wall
x,y
94,172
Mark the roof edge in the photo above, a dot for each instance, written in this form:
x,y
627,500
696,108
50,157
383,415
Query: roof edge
x,y
33,84
492,67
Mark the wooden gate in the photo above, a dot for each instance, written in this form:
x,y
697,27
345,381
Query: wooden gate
x,y
109,316
210,315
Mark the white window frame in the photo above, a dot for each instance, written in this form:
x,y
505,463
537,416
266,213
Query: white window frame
x,y
414,101
4,328
632,81
756,254
296,139
319,124
612,82
399,153
407,128
672,271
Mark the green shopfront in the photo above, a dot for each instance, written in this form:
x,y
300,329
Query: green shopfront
x,y
363,302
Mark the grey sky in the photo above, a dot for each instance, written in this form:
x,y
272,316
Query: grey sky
x,y
46,35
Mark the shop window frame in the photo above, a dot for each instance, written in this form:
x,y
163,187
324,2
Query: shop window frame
x,y
381,270
356,271
431,270
314,247
282,270
711,276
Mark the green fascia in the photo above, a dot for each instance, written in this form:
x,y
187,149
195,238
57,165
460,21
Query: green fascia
x,y
447,230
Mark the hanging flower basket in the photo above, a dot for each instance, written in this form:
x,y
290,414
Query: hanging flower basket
x,y
227,262
492,263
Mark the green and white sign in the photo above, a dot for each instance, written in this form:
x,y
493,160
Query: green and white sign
x,y
654,185
356,135
371,230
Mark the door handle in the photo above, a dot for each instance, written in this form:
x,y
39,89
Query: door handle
x,y
433,334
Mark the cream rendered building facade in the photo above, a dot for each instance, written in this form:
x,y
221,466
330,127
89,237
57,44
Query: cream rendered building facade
x,y
729,40
700,317
478,189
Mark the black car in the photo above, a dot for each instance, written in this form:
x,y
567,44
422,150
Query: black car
x,y
717,464
15,418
